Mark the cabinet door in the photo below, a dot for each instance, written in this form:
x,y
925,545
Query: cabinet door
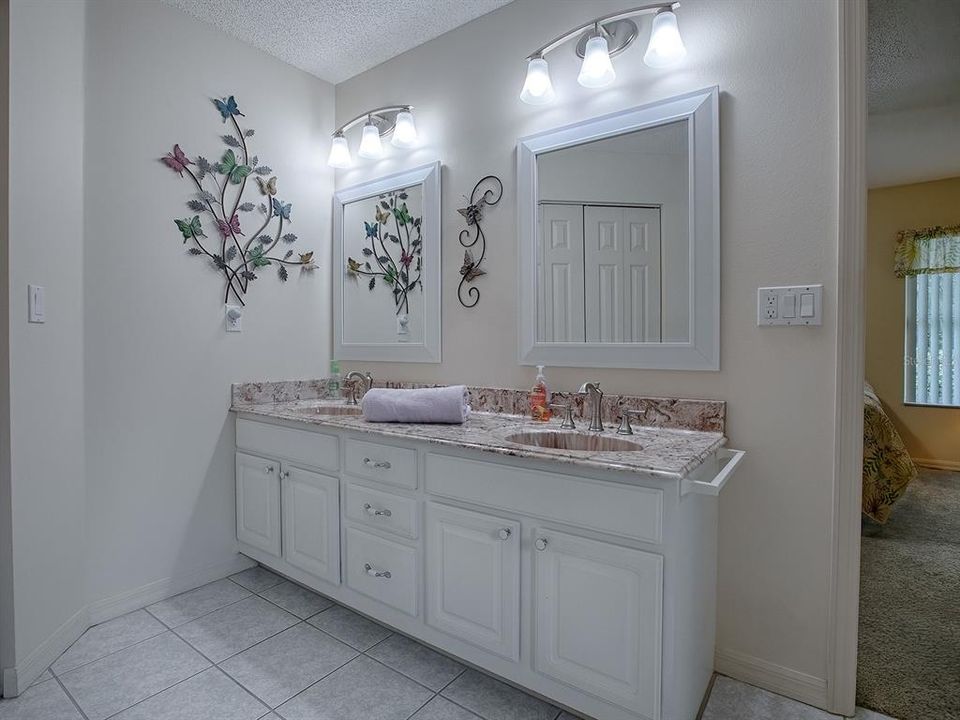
x,y
311,522
473,578
258,503
597,618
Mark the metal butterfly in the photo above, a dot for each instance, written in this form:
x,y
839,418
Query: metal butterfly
x,y
227,107
470,269
473,212
267,187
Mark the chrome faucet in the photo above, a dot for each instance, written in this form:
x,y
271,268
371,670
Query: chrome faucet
x,y
353,379
594,394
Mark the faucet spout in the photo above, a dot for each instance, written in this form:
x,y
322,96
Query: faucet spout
x,y
595,395
355,379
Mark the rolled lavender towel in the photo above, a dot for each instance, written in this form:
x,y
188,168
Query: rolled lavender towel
x,y
423,405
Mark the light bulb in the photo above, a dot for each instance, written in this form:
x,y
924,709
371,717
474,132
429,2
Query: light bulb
x,y
666,47
339,153
370,146
405,132
596,70
537,88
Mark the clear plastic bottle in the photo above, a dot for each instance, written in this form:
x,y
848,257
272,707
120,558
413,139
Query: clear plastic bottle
x,y
540,398
333,382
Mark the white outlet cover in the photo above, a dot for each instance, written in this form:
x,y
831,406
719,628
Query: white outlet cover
x,y
770,305
233,318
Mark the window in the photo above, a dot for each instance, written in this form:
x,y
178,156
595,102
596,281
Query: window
x,y
930,262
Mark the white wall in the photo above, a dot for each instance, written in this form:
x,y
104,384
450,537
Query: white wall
x,y
46,361
158,362
776,65
913,146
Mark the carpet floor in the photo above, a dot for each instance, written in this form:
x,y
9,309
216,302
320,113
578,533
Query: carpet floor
x,y
909,655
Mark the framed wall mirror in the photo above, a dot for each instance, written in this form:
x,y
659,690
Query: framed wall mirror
x,y
386,260
620,239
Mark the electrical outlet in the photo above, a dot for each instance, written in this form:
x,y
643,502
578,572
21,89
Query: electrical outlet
x,y
793,305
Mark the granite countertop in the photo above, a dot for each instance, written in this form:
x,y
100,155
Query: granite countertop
x,y
669,453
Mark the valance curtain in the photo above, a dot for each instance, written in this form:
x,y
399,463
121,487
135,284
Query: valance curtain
x,y
928,251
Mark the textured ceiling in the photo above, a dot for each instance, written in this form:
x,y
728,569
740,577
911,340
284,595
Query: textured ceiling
x,y
913,54
336,39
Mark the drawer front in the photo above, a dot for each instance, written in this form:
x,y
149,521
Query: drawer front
x,y
609,507
382,569
316,449
383,510
384,463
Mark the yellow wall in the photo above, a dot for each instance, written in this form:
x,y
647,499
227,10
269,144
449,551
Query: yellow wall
x,y
930,433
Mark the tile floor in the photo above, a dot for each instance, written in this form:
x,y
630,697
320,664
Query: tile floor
x,y
257,646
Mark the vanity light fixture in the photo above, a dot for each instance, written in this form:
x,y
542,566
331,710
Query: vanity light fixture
x,y
604,38
379,123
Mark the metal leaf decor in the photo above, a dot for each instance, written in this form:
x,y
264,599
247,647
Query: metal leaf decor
x,y
473,214
219,189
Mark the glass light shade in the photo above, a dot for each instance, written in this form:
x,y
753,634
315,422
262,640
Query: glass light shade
x,y
370,146
339,153
537,88
666,46
596,70
405,133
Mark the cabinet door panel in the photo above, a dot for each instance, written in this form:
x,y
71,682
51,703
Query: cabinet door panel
x,y
597,610
258,503
311,522
473,578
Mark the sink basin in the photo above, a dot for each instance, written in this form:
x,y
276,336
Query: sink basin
x,y
558,440
331,410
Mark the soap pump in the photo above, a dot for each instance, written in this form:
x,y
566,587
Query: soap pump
x,y
540,398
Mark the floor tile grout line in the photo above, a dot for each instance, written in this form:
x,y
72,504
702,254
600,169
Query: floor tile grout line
x,y
246,690
254,592
210,612
316,682
70,697
153,695
109,654
429,700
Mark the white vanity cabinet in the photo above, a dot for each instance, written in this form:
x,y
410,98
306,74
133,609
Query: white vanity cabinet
x,y
594,589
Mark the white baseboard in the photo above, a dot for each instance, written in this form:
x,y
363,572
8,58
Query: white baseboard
x,y
938,464
19,678
111,607
770,676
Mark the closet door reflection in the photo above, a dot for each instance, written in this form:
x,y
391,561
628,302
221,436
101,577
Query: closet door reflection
x,y
561,273
622,273
600,273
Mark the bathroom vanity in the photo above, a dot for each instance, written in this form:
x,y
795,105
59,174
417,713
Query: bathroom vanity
x,y
579,566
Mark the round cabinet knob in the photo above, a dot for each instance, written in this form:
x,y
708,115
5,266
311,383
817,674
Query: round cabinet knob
x,y
285,474
504,533
540,544
270,468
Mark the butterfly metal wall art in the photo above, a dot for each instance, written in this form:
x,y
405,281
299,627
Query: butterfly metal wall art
x,y
218,200
473,214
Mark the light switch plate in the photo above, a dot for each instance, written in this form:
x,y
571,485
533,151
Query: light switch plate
x,y
36,304
790,305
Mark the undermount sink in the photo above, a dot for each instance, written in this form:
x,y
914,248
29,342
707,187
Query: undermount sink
x,y
557,440
331,410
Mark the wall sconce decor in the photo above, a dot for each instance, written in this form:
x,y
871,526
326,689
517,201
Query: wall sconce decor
x,y
378,123
604,38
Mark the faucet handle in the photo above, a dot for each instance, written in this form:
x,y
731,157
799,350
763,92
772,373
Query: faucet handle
x,y
625,427
567,423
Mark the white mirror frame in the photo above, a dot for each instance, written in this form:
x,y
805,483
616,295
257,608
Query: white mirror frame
x,y
428,351
702,352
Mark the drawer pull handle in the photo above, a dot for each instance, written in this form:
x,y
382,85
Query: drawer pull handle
x,y
374,512
504,533
369,570
541,544
269,468
381,465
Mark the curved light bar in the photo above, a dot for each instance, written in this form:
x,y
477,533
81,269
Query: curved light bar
x,y
599,40
378,123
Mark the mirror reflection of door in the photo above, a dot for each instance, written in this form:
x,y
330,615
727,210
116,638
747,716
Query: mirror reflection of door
x,y
601,273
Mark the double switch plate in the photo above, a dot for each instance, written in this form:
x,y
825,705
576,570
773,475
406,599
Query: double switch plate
x,y
791,305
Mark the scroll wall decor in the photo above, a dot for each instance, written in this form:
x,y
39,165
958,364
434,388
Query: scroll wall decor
x,y
473,214
218,199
